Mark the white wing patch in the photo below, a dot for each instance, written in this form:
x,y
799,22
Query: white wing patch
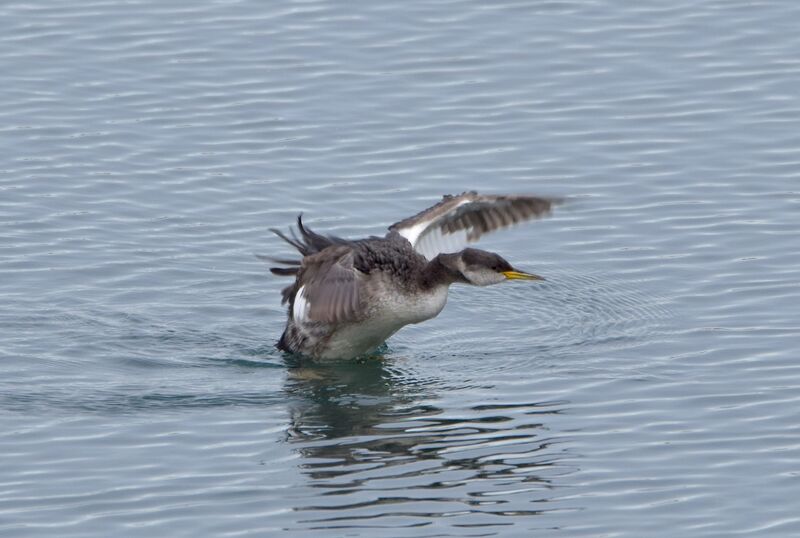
x,y
301,306
456,221
413,233
435,242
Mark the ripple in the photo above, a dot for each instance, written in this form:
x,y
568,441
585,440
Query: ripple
x,y
148,147
484,462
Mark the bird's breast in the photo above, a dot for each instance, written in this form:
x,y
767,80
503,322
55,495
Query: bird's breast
x,y
388,313
402,306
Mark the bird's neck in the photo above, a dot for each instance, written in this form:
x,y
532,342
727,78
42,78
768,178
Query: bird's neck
x,y
441,271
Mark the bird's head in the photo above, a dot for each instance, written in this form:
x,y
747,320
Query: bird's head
x,y
482,268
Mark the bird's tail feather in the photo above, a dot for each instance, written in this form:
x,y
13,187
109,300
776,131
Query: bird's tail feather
x,y
308,243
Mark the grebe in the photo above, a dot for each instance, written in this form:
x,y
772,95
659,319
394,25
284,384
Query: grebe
x,y
349,296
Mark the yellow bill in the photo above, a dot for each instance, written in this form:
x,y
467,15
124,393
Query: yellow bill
x,y
519,275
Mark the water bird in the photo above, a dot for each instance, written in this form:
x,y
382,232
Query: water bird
x,y
349,296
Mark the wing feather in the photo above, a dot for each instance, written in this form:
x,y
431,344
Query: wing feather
x,y
458,220
331,285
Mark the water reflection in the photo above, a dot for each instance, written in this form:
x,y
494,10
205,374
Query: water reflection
x,y
347,398
380,443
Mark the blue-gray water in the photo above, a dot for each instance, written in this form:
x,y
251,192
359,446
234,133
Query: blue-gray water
x,y
651,387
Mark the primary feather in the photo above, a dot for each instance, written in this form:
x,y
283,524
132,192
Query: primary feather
x,y
459,220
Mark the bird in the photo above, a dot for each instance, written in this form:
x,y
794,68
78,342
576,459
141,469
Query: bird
x,y
349,296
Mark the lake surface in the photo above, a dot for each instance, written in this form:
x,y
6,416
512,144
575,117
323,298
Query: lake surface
x,y
650,387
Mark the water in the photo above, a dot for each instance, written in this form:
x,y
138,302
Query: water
x,y
649,388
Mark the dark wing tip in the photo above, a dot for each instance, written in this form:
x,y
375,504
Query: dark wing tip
x,y
284,271
555,200
292,270
270,259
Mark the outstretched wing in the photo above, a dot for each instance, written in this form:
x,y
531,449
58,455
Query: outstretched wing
x,y
458,220
329,287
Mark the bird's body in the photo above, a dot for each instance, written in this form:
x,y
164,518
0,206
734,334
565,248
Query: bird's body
x,y
348,297
384,317
392,293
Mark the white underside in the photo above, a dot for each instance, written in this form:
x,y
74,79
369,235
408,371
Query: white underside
x,y
386,317
358,339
